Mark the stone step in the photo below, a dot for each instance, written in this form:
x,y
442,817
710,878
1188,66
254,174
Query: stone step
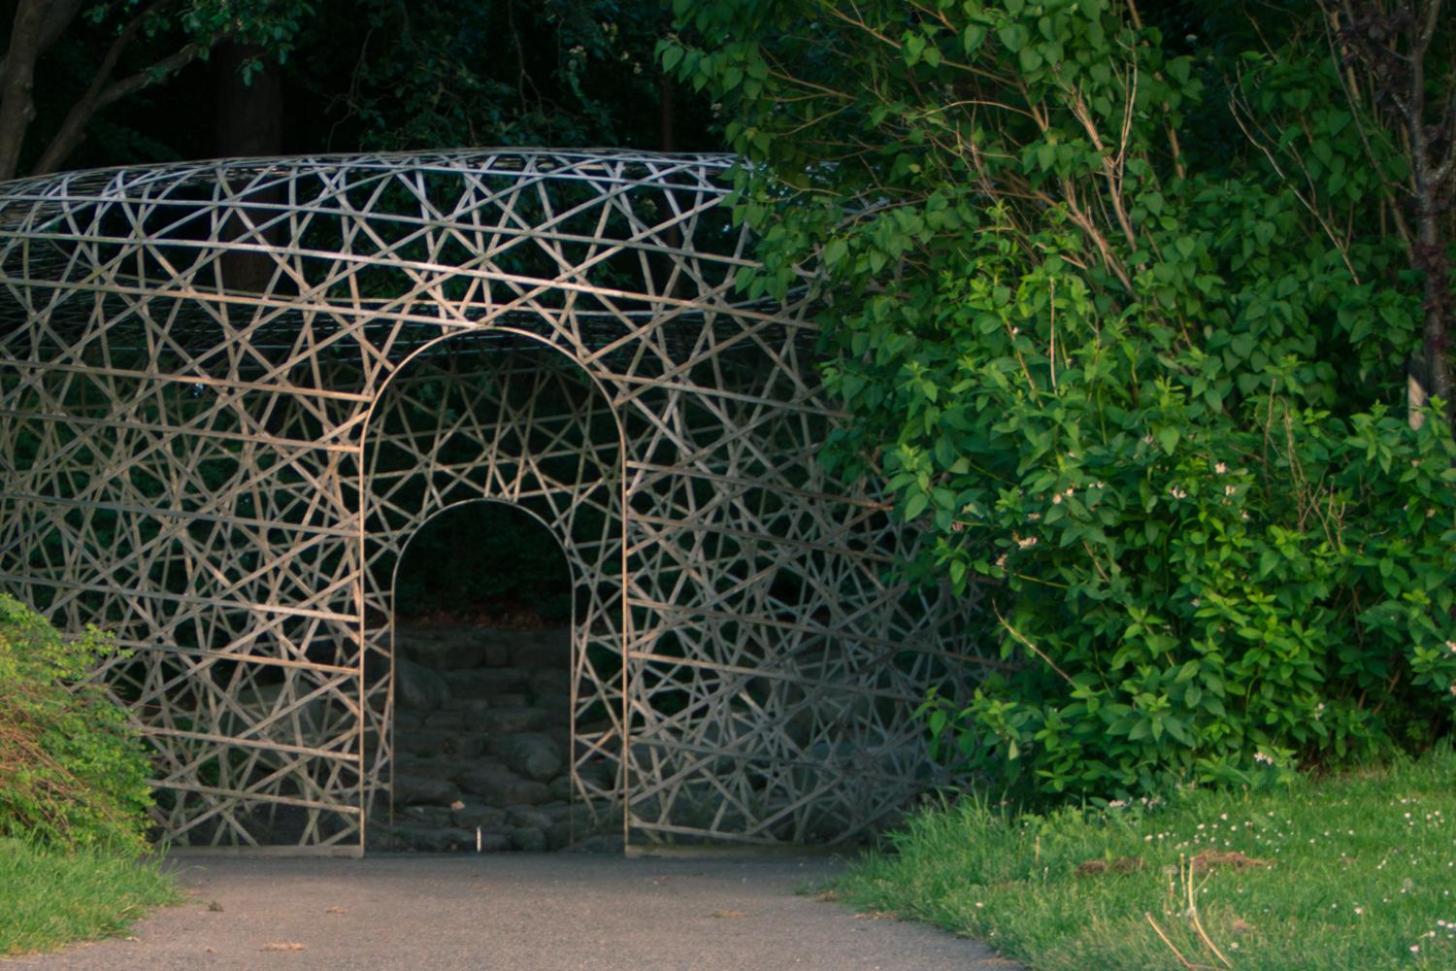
x,y
484,682
440,743
419,790
512,721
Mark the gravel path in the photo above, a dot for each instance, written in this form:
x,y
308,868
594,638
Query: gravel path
x,y
520,912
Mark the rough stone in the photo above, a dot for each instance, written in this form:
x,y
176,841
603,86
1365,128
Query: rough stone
x,y
527,816
444,650
494,842
526,792
425,815
528,839
416,686
509,721
543,649
481,815
556,704
472,746
548,681
431,839
495,745
488,779
426,742
484,682
534,755
560,787
411,789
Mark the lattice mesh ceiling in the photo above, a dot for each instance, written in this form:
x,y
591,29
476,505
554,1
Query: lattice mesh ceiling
x,y
231,391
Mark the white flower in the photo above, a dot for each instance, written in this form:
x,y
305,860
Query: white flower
x,y
1057,499
1177,493
1220,468
1264,757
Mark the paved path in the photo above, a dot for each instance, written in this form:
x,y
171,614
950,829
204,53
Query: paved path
x,y
518,912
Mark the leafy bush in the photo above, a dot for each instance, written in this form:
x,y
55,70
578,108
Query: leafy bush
x,y
73,772
1147,390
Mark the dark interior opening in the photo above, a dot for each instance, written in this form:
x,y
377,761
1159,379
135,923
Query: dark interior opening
x,y
482,691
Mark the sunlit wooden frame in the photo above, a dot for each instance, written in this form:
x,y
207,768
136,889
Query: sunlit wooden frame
x,y
231,391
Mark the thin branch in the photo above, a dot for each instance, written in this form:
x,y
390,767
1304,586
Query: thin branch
x,y
1025,642
1239,111
101,94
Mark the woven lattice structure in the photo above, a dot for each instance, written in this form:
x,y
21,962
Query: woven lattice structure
x,y
230,392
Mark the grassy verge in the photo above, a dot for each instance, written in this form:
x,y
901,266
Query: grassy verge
x,y
1351,872
49,898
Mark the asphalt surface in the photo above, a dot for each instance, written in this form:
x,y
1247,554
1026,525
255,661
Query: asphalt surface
x,y
518,911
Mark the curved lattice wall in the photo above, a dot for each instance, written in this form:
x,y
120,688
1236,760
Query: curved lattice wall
x,y
230,391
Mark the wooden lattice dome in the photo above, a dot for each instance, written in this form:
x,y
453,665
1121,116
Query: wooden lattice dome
x,y
231,391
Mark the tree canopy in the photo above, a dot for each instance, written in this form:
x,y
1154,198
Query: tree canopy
x,y
126,81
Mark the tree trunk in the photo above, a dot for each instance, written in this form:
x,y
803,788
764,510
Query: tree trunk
x,y
249,124
16,106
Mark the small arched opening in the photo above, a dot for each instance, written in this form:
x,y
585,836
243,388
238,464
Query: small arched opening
x,y
483,600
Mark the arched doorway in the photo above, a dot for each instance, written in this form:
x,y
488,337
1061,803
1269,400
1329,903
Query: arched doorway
x,y
499,417
484,608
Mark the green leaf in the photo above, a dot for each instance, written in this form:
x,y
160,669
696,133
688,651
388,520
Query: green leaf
x,y
1168,437
1013,37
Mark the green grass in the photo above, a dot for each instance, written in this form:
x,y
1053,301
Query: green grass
x,y
49,897
1354,872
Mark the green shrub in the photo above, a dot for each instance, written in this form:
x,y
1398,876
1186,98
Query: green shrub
x,y
73,772
1121,320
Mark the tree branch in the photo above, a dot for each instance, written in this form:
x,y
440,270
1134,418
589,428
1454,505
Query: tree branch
x,y
104,92
17,109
